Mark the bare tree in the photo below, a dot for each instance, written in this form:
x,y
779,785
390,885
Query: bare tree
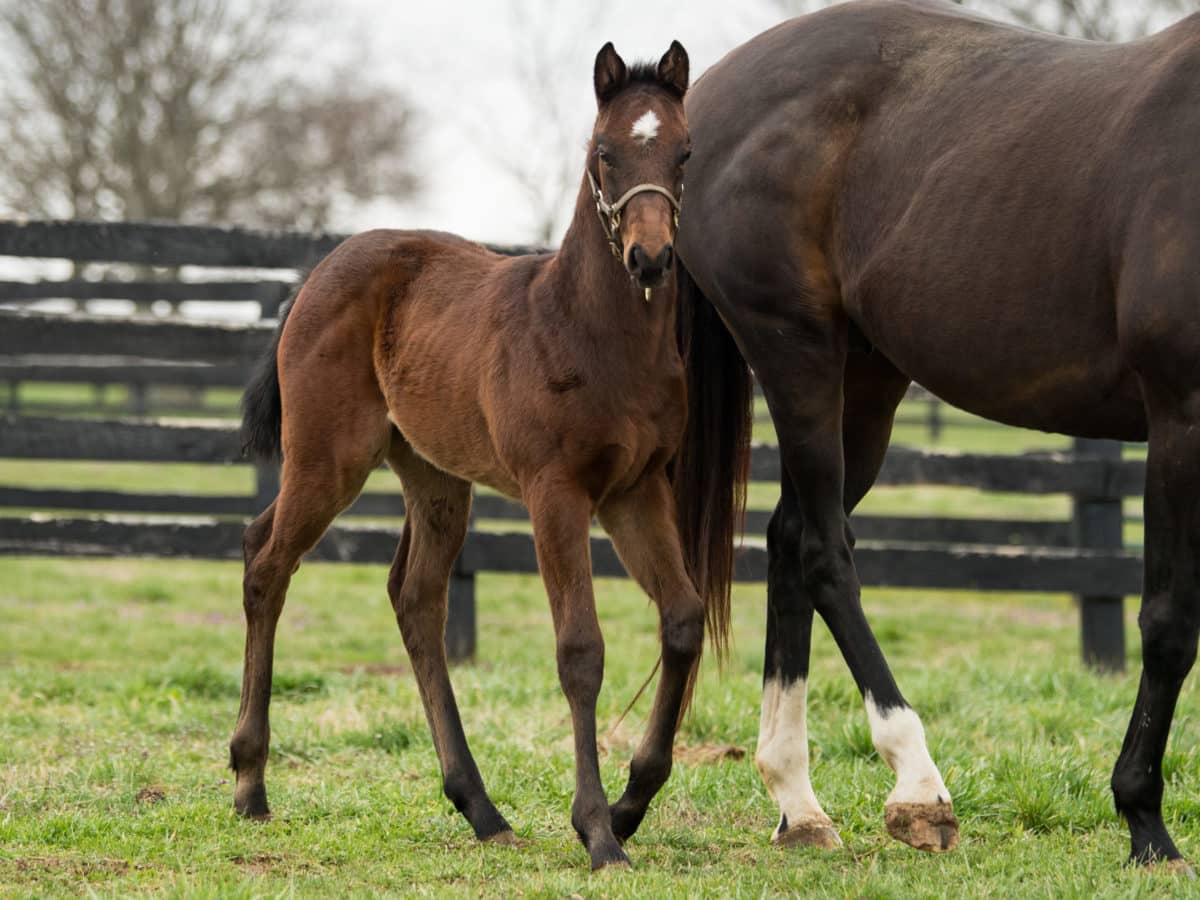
x,y
1096,20
188,110
538,144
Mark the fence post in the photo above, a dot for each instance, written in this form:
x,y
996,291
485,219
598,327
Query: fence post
x,y
934,410
460,617
266,486
1097,523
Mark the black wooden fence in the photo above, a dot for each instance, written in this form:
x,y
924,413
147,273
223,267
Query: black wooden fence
x,y
1083,555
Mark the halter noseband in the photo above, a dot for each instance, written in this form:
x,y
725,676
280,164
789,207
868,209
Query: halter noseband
x,y
610,215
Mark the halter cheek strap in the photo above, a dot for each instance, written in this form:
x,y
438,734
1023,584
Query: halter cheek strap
x,y
610,214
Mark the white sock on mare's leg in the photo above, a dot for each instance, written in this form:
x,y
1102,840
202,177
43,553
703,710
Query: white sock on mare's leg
x,y
782,760
900,739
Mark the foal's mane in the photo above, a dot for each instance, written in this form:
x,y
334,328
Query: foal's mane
x,y
644,73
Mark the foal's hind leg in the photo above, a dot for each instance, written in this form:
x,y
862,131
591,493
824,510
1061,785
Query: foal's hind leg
x,y
437,507
321,476
644,531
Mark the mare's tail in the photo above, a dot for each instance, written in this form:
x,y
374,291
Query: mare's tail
x,y
262,408
713,463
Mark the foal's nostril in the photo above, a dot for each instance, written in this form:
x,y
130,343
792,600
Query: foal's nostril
x,y
637,259
666,259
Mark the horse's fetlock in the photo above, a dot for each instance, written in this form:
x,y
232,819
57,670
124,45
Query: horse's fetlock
x,y
1136,790
1169,642
247,750
458,788
650,772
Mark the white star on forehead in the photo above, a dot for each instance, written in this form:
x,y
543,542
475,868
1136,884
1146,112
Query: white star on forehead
x,y
645,129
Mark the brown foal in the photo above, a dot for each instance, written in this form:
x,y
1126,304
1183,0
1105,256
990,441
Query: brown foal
x,y
556,379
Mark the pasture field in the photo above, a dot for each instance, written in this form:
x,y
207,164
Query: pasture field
x,y
119,689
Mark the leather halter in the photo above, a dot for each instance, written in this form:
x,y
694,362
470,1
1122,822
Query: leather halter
x,y
610,214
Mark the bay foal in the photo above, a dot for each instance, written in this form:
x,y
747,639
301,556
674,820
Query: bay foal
x,y
556,379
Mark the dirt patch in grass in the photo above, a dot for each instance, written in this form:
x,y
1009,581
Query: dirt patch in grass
x,y
707,754
259,863
73,864
150,795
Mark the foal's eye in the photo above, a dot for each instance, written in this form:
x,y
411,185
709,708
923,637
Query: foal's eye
x,y
606,158
684,157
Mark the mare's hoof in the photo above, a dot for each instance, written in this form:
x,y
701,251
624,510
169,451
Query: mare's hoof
x,y
814,833
251,803
504,838
926,826
1178,867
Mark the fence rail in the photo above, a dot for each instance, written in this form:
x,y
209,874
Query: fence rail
x,y
1082,555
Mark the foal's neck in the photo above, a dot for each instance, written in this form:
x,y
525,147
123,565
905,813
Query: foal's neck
x,y
597,288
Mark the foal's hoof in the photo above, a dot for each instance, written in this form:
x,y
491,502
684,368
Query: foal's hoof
x,y
811,833
503,838
1177,867
926,826
251,803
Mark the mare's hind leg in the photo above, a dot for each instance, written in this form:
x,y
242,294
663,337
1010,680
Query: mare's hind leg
x,y
1158,297
643,527
1169,619
438,507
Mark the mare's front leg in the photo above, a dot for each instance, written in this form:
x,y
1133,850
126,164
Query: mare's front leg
x,y
561,513
643,528
801,371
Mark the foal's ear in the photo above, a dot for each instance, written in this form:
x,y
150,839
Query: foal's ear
x,y
610,74
673,69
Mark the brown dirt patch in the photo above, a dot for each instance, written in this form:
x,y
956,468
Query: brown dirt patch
x,y
259,863
72,864
708,754
150,795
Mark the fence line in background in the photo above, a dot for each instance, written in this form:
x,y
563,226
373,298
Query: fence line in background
x,y
1083,555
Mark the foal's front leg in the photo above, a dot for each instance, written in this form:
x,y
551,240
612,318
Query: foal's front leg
x,y
643,528
561,513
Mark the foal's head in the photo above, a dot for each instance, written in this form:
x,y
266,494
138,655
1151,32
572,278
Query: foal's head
x,y
636,157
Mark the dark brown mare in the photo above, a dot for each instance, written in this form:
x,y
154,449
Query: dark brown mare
x,y
556,379
892,191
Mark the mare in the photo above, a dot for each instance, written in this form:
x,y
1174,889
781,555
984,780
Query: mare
x,y
884,192
553,378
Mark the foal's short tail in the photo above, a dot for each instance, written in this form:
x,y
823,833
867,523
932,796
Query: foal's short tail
x,y
713,463
262,409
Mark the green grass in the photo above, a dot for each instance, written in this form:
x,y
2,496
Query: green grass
x,y
119,688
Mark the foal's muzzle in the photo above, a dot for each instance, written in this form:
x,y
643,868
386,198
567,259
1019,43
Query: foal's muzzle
x,y
650,271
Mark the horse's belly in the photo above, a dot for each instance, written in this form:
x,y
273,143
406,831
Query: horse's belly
x,y
1029,372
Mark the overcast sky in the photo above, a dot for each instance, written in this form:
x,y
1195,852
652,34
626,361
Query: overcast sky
x,y
461,64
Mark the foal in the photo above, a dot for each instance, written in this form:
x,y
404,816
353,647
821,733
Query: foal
x,y
556,379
